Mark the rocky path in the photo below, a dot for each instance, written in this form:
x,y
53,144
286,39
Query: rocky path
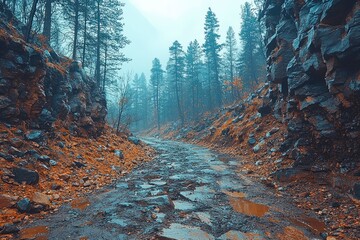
x,y
188,192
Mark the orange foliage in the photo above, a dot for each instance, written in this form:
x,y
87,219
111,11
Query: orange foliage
x,y
102,167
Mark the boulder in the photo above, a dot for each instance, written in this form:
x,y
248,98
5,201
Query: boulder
x,y
287,174
265,110
25,175
4,102
41,199
16,152
9,229
6,201
7,157
24,205
43,158
34,135
134,140
356,190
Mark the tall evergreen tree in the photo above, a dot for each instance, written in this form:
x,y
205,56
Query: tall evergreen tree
x,y
212,54
176,72
193,64
230,59
156,80
251,60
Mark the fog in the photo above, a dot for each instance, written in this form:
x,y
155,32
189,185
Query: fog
x,y
153,25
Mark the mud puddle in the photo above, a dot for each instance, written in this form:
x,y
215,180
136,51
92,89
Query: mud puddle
x,y
80,203
35,233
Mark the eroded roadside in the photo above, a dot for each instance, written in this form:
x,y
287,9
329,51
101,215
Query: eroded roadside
x,y
188,192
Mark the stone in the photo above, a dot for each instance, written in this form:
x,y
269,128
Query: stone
x,y
25,175
225,131
7,157
6,201
34,135
16,152
24,205
252,141
274,130
9,229
335,204
52,162
43,158
356,190
61,144
134,140
287,174
79,164
256,149
65,177
41,199
46,118
16,142
4,102
119,154
87,184
265,110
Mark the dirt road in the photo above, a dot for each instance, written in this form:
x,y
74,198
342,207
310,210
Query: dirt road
x,y
187,192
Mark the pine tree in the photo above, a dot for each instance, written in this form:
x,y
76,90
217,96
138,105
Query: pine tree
x,y
140,102
156,80
193,65
176,72
230,59
212,54
251,60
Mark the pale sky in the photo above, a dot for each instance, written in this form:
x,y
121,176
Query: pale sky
x,y
153,25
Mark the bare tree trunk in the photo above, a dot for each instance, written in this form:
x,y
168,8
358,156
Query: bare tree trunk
x,y
76,30
104,79
97,69
23,11
157,106
85,32
47,20
13,6
31,18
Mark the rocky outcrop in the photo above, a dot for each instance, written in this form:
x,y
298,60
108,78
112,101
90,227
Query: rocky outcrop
x,y
313,50
39,87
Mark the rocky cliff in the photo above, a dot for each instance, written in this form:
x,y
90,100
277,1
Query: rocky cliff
x,y
313,50
40,88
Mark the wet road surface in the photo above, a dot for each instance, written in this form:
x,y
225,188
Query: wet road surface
x,y
187,192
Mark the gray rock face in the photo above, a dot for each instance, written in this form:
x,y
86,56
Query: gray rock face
x,y
313,50
41,87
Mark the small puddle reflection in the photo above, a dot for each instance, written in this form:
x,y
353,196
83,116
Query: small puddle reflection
x,y
80,203
183,206
241,205
247,207
313,224
185,232
37,233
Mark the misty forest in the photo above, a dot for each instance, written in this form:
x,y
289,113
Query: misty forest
x,y
138,119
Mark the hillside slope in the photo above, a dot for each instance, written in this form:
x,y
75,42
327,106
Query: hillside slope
x,y
54,142
300,132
